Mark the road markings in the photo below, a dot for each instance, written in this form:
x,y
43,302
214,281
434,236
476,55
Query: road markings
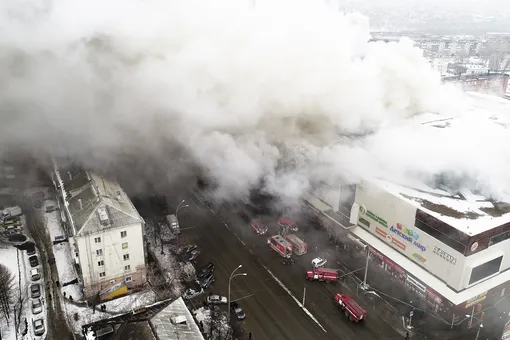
x,y
310,315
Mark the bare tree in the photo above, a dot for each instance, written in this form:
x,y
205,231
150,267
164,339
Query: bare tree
x,y
6,291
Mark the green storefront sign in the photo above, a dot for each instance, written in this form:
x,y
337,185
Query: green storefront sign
x,y
377,218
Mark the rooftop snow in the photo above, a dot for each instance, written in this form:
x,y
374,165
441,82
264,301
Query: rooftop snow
x,y
166,329
466,212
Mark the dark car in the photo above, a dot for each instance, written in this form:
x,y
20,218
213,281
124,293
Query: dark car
x,y
35,290
34,261
207,281
188,249
237,311
30,249
206,270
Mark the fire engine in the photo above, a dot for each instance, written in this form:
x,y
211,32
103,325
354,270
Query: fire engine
x,y
298,245
322,274
280,245
287,223
351,308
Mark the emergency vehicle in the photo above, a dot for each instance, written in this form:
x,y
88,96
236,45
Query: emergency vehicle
x,y
350,308
258,227
322,274
298,245
287,223
280,245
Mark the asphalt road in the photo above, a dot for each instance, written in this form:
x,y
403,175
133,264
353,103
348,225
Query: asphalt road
x,y
271,312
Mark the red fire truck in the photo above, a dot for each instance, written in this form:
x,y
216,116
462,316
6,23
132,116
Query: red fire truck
x,y
322,274
280,245
298,245
287,223
351,308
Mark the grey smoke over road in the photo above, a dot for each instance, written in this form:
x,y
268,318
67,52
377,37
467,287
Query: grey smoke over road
x,y
245,89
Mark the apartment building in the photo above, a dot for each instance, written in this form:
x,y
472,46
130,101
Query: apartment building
x,y
105,231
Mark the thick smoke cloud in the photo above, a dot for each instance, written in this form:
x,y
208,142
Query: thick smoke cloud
x,y
244,89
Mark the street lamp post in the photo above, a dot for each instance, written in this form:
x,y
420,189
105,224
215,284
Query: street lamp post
x,y
366,269
230,279
180,206
478,333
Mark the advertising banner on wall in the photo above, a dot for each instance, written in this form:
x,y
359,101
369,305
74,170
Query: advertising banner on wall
x,y
392,220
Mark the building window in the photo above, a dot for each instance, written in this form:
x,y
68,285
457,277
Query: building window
x,y
124,245
123,234
499,238
99,252
128,279
128,267
100,263
126,257
97,240
485,270
102,274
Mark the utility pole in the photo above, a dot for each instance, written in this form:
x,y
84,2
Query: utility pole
x,y
304,295
366,269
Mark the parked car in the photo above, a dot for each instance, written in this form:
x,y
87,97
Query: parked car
x,y
237,311
35,274
319,262
39,327
30,249
187,249
191,256
34,261
193,291
216,300
207,281
258,227
35,290
36,306
206,270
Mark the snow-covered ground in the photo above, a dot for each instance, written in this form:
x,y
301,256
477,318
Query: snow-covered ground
x,y
62,252
9,258
170,267
118,306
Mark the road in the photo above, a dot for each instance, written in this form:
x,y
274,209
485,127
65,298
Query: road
x,y
228,241
271,312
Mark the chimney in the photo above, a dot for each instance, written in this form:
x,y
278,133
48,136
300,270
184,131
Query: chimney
x,y
70,176
80,203
119,198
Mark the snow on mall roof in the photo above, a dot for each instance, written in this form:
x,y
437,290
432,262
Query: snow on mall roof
x,y
467,212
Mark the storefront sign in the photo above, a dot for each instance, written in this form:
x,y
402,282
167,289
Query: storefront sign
x,y
474,246
444,255
373,216
390,239
376,253
434,296
419,258
477,299
408,235
393,265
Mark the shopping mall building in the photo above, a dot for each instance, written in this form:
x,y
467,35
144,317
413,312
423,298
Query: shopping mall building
x,y
450,248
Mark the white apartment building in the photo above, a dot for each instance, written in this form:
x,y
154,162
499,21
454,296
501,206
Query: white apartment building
x,y
105,230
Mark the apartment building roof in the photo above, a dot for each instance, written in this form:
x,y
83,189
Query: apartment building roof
x,y
95,203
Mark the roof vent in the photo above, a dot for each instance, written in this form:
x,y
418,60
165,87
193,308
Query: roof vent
x,y
70,175
179,320
119,197
103,215
80,202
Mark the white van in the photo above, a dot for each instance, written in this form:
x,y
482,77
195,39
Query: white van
x,y
34,273
173,223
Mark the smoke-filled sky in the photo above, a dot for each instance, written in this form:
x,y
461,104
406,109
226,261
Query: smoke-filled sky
x,y
244,89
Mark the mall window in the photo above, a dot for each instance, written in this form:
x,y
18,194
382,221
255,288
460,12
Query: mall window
x,y
499,238
440,236
485,270
364,222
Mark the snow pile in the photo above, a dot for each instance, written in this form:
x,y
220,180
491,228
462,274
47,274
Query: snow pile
x,y
213,323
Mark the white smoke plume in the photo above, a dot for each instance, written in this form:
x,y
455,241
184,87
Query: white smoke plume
x,y
244,89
